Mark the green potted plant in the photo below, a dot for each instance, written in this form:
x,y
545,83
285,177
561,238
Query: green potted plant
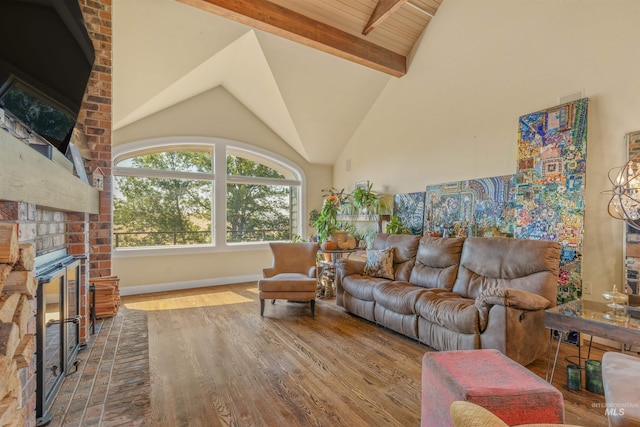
x,y
395,226
327,219
364,201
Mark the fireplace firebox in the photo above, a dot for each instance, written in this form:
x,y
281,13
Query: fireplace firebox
x,y
57,326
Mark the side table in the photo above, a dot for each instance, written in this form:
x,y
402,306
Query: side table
x,y
327,270
592,318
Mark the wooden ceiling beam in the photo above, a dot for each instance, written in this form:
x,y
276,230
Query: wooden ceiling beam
x,y
383,10
272,18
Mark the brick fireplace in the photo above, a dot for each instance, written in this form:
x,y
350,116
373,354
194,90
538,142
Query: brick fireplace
x,y
82,234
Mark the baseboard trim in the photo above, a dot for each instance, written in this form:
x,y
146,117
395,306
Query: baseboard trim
x,y
177,286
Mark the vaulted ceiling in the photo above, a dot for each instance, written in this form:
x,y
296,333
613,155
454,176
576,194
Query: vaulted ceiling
x,y
310,70
375,33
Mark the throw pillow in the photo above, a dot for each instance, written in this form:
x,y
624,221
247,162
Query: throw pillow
x,y
467,414
380,263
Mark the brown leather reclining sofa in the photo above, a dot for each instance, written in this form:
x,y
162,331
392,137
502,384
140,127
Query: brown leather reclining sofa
x,y
459,293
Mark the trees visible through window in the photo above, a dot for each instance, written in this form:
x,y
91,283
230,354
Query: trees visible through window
x,y
167,197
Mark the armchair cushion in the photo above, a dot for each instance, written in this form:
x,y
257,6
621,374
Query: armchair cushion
x,y
288,282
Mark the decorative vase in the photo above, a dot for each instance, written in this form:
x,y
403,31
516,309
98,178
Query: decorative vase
x,y
593,372
574,377
329,245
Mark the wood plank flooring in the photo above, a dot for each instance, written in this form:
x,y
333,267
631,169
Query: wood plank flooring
x,y
215,362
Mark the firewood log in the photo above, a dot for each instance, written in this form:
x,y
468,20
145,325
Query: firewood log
x,y
9,341
9,410
26,258
23,282
9,248
25,350
8,372
5,269
22,315
8,305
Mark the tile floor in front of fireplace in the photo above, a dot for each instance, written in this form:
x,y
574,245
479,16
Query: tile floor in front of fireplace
x,y
111,386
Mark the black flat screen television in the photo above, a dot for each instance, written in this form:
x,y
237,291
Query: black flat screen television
x,y
46,58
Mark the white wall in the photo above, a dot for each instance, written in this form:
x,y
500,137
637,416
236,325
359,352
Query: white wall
x,y
481,65
215,113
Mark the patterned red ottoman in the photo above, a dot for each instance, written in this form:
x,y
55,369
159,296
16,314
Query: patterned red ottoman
x,y
488,379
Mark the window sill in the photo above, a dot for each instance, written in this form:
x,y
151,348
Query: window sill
x,y
186,250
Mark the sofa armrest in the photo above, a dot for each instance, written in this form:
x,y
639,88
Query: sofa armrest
x,y
515,298
313,272
347,267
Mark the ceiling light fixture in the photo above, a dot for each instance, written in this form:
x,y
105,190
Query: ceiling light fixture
x,y
625,202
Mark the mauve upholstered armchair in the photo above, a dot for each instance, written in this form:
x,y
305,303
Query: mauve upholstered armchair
x,y
292,276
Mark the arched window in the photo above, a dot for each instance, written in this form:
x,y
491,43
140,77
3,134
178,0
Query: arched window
x,y
191,192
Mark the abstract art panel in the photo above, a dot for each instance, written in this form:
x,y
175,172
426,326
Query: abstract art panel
x,y
549,202
409,207
477,207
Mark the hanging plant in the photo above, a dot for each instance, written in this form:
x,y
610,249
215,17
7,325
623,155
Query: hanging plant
x,y
364,201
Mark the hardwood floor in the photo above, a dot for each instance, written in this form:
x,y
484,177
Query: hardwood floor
x,y
215,361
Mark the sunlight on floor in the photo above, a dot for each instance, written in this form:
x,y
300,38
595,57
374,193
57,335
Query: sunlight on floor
x,y
191,301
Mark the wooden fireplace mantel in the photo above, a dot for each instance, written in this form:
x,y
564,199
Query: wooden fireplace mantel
x,y
28,176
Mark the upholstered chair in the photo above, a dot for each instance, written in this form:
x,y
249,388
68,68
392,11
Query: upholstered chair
x,y
292,276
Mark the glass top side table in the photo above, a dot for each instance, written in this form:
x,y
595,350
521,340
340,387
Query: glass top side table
x,y
592,318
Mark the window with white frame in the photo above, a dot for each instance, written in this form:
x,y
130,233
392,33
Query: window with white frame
x,y
171,192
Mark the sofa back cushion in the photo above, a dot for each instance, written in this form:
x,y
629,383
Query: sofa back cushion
x,y
488,262
404,253
437,262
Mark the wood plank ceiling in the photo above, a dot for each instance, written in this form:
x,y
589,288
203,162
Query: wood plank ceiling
x,y
379,34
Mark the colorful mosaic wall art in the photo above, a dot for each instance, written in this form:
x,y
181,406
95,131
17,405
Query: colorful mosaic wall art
x,y
409,207
477,207
549,203
543,200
